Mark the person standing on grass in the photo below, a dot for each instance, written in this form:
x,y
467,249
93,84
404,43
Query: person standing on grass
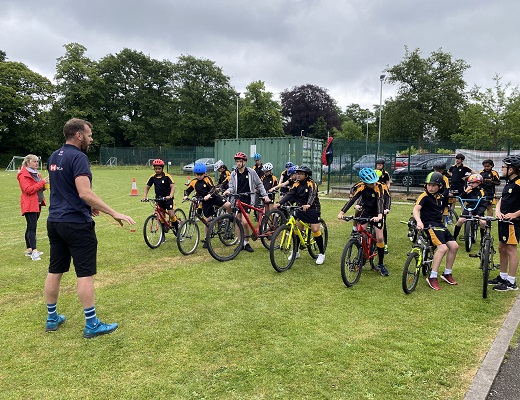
x,y
428,213
245,181
508,209
459,174
370,193
384,178
490,183
32,199
70,226
304,193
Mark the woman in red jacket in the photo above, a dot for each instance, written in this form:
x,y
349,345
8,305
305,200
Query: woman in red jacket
x,y
31,201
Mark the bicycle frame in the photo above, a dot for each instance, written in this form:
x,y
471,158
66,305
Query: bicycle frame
x,y
365,236
240,207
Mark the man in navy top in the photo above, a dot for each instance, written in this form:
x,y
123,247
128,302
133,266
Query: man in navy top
x,y
70,226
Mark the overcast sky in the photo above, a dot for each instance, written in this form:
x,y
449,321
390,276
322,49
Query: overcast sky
x,y
340,45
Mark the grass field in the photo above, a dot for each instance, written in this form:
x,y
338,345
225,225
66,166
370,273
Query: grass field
x,y
194,328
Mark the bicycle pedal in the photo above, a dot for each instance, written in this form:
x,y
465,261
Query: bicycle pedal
x,y
473,255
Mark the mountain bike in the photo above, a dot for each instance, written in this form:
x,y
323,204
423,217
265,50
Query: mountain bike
x,y
419,258
157,225
288,238
471,225
452,217
360,248
225,237
188,236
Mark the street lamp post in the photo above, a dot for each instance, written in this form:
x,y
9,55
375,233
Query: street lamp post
x,y
381,78
366,138
238,95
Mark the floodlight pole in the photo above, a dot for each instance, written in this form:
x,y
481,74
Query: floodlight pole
x,y
381,78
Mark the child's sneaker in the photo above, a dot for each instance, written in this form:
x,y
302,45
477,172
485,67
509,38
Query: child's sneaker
x,y
296,257
448,278
382,269
433,283
35,256
321,259
505,286
496,281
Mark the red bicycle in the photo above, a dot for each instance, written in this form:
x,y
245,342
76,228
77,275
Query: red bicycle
x,y
225,237
158,224
361,247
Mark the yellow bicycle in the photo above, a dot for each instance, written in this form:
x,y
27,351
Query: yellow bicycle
x,y
288,238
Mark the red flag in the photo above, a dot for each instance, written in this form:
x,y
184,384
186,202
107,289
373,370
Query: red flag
x,y
327,155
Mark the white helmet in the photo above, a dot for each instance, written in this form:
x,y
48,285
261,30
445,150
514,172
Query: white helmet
x,y
217,165
267,166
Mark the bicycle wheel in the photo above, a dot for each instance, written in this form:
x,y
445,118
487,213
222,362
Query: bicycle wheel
x,y
153,232
181,215
282,250
485,258
411,272
311,241
468,235
188,237
451,219
270,223
351,263
225,237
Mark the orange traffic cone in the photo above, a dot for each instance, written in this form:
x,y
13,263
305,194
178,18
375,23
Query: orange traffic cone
x,y
189,180
134,188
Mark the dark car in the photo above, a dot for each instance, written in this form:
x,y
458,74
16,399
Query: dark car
x,y
420,157
419,172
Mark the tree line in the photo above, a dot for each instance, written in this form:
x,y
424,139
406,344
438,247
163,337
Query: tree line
x,y
136,101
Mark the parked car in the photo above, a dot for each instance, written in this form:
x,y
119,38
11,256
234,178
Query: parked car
x,y
420,157
369,161
419,172
210,162
338,165
400,162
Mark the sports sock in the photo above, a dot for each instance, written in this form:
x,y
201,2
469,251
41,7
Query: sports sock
x,y
52,314
90,316
447,271
433,274
381,254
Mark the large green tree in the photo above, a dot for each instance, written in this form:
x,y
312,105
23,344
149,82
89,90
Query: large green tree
x,y
259,115
430,94
204,102
491,117
302,107
25,98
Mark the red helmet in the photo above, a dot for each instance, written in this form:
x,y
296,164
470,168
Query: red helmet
x,y
240,156
158,162
475,178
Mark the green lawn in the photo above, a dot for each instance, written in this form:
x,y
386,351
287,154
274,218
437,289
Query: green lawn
x,y
194,328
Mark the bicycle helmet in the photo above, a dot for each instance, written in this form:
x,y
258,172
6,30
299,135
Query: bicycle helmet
x,y
217,165
289,164
379,173
267,166
303,168
292,170
257,156
475,178
200,168
437,165
240,156
380,161
368,175
512,161
435,178
488,161
158,162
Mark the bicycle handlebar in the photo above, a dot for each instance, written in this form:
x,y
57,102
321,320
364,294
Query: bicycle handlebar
x,y
362,220
153,199
462,201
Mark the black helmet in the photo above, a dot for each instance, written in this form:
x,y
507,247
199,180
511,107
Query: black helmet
x,y
512,161
304,169
434,177
488,161
439,164
380,161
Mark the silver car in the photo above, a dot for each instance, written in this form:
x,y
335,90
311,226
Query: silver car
x,y
209,162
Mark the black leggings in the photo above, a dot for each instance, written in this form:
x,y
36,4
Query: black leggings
x,y
30,231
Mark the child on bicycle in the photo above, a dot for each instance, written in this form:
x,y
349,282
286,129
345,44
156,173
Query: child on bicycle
x,y
472,192
428,213
207,192
387,200
491,180
269,181
371,194
508,210
304,193
440,167
284,177
164,187
244,181
224,174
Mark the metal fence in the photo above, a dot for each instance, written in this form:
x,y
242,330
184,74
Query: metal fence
x,y
177,156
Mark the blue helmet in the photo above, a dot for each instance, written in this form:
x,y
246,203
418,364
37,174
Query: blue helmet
x,y
200,168
257,156
289,164
368,175
292,170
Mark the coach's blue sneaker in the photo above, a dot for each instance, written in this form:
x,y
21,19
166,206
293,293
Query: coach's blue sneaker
x,y
52,325
100,329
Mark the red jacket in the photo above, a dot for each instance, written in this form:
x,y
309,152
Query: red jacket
x,y
29,198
